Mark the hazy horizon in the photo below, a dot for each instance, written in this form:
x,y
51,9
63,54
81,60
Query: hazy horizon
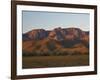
x,y
50,20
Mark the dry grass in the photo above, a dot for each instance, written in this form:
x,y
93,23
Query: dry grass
x,y
55,61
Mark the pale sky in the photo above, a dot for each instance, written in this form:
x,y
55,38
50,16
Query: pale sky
x,y
50,20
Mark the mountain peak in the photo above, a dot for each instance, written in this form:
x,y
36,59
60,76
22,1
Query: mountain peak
x,y
58,34
58,28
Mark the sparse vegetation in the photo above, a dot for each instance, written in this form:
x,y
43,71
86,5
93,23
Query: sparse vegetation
x,y
55,61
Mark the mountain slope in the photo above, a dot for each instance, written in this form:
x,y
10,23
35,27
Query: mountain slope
x,y
57,41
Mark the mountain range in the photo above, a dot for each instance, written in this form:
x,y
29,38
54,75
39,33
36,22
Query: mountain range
x,y
58,41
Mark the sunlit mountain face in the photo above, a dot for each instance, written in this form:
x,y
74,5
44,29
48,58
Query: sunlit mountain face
x,y
64,40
